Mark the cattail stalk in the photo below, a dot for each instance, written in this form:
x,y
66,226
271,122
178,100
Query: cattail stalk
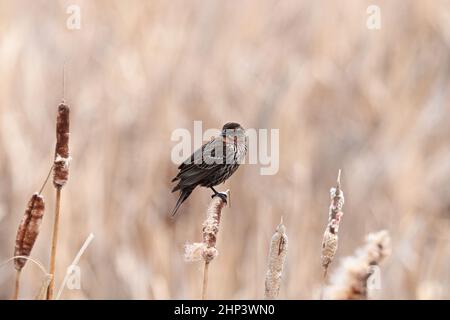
x,y
54,245
26,236
330,236
42,293
205,280
16,285
60,177
350,280
206,250
277,257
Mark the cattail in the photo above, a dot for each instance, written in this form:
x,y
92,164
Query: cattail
x,y
62,155
206,250
60,177
351,279
27,235
330,237
277,256
28,230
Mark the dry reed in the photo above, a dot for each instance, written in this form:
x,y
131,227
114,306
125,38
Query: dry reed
x,y
60,177
351,279
206,250
277,257
42,293
330,236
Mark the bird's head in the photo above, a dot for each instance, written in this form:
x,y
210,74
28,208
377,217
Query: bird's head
x,y
232,129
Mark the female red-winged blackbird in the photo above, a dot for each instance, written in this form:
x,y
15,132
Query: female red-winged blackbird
x,y
213,163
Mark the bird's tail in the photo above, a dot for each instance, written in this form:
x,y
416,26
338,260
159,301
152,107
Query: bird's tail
x,y
184,194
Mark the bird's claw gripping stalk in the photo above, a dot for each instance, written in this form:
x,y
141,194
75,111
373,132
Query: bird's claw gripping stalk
x,y
221,195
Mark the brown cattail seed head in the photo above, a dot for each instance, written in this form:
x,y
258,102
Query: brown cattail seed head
x,y
62,155
206,250
211,228
28,229
329,248
212,222
330,236
277,256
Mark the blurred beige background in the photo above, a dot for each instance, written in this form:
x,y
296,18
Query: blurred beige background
x,y
374,103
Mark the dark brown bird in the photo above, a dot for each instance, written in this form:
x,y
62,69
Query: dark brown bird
x,y
211,164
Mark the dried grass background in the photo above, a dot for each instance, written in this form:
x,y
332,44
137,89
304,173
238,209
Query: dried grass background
x,y
372,103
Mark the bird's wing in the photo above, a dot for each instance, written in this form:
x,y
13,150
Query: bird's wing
x,y
200,164
204,156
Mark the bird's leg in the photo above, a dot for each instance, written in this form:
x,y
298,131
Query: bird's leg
x,y
215,192
222,195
